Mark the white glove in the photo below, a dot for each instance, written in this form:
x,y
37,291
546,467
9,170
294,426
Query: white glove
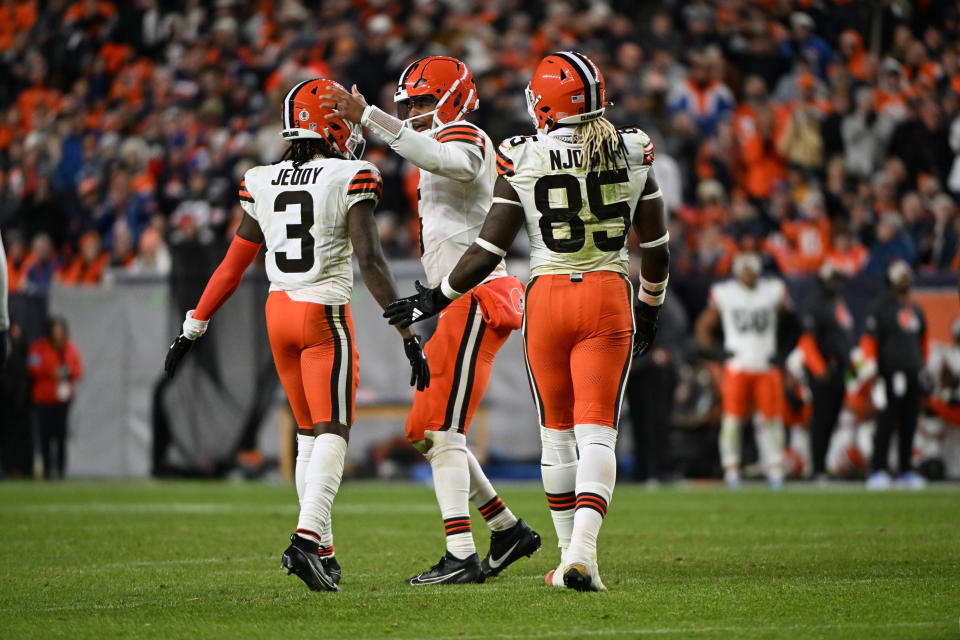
x,y
193,328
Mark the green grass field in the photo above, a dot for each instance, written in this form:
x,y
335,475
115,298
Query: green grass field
x,y
198,560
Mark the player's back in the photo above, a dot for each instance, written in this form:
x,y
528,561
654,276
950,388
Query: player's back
x,y
302,211
749,317
578,220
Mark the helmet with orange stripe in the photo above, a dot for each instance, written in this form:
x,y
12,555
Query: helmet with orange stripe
x,y
304,119
566,89
446,80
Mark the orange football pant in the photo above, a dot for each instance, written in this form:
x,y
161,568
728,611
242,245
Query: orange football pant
x,y
316,357
578,341
460,355
742,390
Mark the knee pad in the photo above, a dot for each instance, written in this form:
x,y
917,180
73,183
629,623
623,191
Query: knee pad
x,y
595,434
559,447
443,441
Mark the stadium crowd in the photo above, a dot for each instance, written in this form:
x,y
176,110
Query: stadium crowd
x,y
810,131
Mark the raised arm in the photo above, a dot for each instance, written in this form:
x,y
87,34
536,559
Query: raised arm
x,y
499,229
650,223
455,154
379,280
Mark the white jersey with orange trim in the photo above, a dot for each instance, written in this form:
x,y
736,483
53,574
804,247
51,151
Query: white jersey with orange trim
x,y
578,221
302,212
458,169
749,317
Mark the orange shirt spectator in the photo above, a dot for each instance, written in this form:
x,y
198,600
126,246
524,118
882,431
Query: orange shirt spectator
x,y
55,367
87,268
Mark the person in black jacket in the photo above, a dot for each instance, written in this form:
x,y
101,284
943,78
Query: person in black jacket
x,y
825,344
895,341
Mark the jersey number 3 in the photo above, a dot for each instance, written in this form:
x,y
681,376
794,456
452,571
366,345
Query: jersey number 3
x,y
299,231
570,214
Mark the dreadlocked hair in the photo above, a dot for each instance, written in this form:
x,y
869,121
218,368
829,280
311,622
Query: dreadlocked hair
x,y
603,145
303,151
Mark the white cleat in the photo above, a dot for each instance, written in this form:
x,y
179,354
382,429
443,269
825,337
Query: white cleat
x,y
879,481
554,577
911,480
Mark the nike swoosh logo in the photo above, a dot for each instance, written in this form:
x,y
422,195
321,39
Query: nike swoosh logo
x,y
496,562
420,580
442,313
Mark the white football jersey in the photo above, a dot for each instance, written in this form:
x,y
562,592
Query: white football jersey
x,y
749,320
452,212
577,221
303,215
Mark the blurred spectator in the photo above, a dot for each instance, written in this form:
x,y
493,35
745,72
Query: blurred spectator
x,y
892,244
55,367
703,98
153,258
41,266
87,267
805,44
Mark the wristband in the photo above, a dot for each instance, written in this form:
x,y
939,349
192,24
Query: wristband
x,y
652,293
193,328
447,290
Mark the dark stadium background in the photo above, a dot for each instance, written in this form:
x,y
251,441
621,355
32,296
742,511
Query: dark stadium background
x,y
819,131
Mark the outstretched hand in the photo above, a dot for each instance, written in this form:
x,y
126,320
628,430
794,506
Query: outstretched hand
x,y
424,304
346,106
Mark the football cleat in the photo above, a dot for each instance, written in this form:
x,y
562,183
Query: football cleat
x,y
508,546
451,570
301,559
332,567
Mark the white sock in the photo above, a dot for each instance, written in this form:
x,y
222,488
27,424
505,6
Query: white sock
x,y
485,498
558,468
304,449
596,476
322,483
730,446
451,482
770,443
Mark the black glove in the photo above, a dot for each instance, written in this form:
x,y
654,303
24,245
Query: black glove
x,y
176,353
426,303
646,318
4,346
419,371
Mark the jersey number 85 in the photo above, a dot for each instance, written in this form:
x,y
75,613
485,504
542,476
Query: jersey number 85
x,y
570,214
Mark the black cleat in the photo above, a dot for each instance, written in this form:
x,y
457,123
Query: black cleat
x,y
508,546
332,567
451,570
301,558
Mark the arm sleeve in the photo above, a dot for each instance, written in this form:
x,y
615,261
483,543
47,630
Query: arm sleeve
x,y
226,278
461,162
811,355
4,312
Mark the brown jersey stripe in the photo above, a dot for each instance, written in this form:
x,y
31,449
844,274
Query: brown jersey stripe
x,y
355,190
444,137
365,182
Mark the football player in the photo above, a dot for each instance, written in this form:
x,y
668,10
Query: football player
x,y
314,210
457,162
748,306
577,186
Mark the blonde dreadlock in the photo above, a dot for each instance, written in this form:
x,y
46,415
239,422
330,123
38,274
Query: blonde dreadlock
x,y
602,145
